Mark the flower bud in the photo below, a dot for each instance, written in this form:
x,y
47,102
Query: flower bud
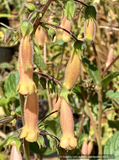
x,y
26,49
40,37
56,106
90,147
67,141
67,25
30,131
15,155
89,29
84,149
72,70
26,84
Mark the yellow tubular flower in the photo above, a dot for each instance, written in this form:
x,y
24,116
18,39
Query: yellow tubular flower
x,y
56,106
72,71
89,29
30,131
15,155
26,49
40,36
26,84
67,141
67,25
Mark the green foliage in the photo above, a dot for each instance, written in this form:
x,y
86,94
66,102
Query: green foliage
x,y
90,12
92,69
108,78
30,6
14,140
39,61
111,146
10,88
80,47
26,28
69,9
11,84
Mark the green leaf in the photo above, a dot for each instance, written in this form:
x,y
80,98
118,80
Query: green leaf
x,y
80,47
8,34
53,127
35,79
11,84
51,85
30,6
69,9
92,69
26,27
39,61
77,91
43,82
41,142
108,78
51,32
114,124
4,101
34,147
64,93
60,42
113,95
52,142
14,140
55,56
2,143
6,65
111,147
90,12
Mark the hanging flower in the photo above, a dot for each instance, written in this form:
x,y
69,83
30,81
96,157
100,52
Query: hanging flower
x,y
89,29
30,131
56,105
26,51
67,141
15,155
26,84
72,70
67,25
40,36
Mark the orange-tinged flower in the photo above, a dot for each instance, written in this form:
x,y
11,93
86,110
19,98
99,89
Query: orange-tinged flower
x,y
56,106
67,25
30,131
89,29
72,71
90,147
40,36
26,84
26,49
67,141
15,155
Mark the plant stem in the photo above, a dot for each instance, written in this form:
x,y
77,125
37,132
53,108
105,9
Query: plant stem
x,y
25,143
58,27
81,3
99,99
48,95
116,58
49,77
81,126
37,21
59,67
90,115
22,107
